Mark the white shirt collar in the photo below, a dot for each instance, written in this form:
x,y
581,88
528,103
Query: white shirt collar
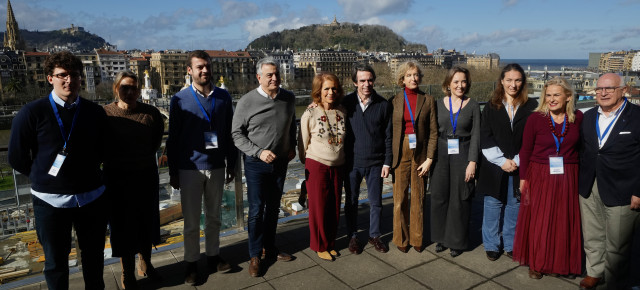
x,y
612,114
213,88
264,94
62,103
362,105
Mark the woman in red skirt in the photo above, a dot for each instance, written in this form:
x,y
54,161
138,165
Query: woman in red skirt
x,y
548,236
320,148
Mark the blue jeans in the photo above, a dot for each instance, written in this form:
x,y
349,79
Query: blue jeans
x,y
264,190
53,228
500,218
352,191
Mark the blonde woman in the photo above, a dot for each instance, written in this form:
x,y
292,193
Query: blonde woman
x,y
548,236
415,134
131,177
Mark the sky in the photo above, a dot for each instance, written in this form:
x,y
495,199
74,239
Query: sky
x,y
537,29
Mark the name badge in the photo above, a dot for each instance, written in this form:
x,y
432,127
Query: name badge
x,y
55,168
412,141
210,140
453,146
556,165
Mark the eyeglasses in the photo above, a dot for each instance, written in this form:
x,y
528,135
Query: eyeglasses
x,y
609,90
64,76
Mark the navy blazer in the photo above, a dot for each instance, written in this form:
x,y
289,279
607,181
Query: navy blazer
x,y
368,140
615,164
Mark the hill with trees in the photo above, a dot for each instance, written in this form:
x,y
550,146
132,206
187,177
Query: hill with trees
x,y
79,40
348,36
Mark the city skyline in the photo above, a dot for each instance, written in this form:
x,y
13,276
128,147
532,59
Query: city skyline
x,y
512,28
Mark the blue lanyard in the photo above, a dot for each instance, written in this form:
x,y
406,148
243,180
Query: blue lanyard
x,y
73,123
406,101
564,125
606,131
213,105
454,122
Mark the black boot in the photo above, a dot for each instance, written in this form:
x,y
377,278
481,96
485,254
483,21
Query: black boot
x,y
145,268
128,278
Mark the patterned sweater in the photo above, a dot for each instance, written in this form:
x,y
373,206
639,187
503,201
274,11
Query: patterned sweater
x,y
322,136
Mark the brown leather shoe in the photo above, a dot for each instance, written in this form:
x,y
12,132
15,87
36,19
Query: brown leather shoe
x,y
533,274
280,256
284,257
418,249
191,275
218,263
403,249
254,267
378,245
354,246
589,282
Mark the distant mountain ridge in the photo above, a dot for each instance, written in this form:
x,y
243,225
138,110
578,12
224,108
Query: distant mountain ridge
x,y
79,40
349,36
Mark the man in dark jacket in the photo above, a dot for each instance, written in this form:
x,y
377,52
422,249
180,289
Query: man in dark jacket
x,y
368,151
199,150
58,142
608,183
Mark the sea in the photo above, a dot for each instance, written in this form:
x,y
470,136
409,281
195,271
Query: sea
x,y
552,64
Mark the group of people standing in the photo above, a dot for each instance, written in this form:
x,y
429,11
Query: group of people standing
x,y
550,175
548,178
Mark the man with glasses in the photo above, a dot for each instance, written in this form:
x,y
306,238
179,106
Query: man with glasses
x,y
199,150
58,142
608,184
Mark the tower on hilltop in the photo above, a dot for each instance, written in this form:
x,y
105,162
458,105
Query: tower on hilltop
x,y
12,39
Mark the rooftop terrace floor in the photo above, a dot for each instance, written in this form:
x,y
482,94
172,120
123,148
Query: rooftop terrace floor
x,y
368,270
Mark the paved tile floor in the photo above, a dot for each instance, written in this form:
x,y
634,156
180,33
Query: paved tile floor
x,y
369,270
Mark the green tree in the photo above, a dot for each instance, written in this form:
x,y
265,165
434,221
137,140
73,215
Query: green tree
x,y
13,87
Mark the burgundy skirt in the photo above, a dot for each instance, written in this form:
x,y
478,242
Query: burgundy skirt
x,y
548,234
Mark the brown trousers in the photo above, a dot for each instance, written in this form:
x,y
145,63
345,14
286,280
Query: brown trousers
x,y
407,212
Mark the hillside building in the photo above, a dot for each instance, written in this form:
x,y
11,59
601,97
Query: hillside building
x,y
92,75
635,62
168,70
485,61
111,63
237,68
36,83
13,72
308,63
138,65
424,60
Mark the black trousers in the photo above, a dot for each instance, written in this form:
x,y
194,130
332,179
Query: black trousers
x,y
53,227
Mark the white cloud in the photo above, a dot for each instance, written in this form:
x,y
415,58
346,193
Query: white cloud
x,y
365,9
287,20
260,27
401,26
626,35
433,36
509,3
501,37
229,12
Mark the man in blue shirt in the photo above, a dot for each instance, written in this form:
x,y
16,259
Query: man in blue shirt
x,y
199,149
58,142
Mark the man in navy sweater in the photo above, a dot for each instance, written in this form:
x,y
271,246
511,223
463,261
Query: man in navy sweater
x,y
199,148
58,142
368,151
